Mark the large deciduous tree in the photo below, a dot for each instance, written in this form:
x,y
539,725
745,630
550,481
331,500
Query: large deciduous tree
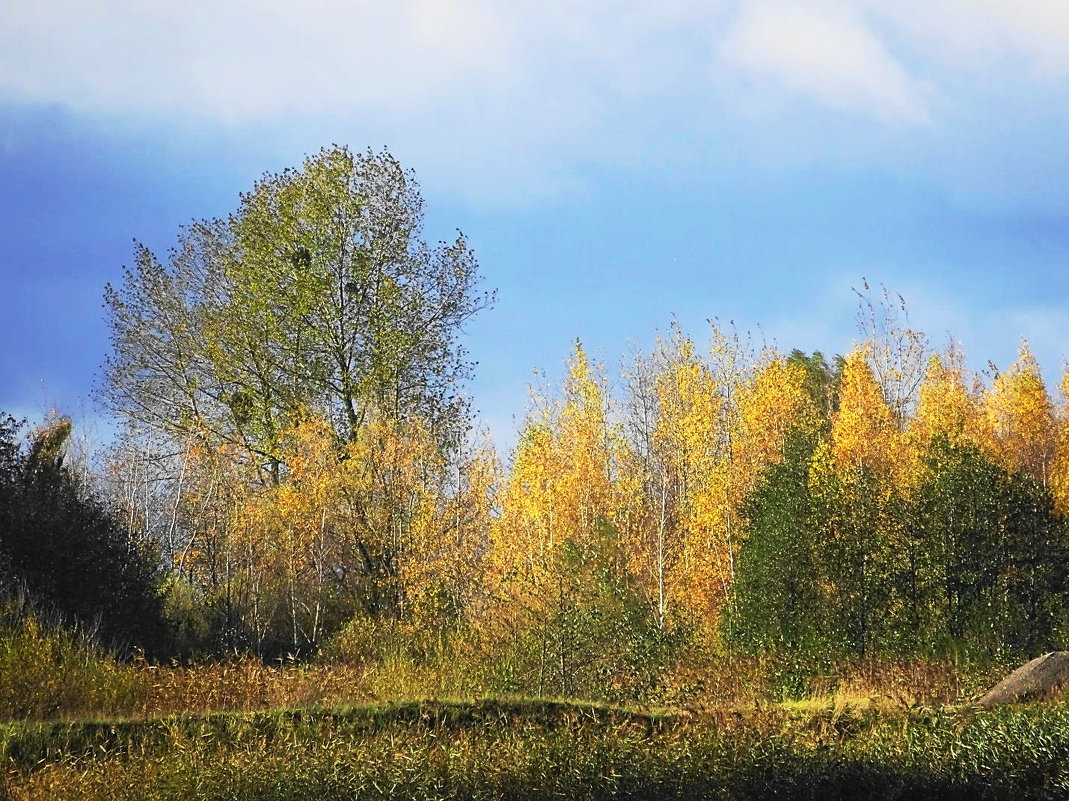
x,y
317,293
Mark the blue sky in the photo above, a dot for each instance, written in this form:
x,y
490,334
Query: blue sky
x,y
615,165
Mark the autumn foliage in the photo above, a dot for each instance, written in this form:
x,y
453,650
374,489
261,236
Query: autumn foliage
x,y
730,498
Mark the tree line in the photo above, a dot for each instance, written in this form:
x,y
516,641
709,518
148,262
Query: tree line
x,y
297,469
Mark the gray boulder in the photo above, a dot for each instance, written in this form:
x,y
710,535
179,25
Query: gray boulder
x,y
1042,679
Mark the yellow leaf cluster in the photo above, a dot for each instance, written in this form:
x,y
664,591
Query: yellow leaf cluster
x,y
1020,417
564,483
864,434
688,428
946,408
690,440
770,406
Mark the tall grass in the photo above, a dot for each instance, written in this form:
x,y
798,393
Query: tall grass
x,y
544,751
742,727
244,684
47,671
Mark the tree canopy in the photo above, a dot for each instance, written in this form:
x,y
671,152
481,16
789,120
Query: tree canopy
x,y
317,295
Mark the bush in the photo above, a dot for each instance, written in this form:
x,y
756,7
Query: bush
x,y
48,672
67,549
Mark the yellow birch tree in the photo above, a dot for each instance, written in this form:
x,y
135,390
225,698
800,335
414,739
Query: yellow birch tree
x,y
563,481
945,408
864,432
689,563
1021,418
771,405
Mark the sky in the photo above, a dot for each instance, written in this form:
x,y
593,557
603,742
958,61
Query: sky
x,y
615,165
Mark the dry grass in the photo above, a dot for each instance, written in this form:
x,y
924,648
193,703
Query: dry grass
x,y
732,681
244,685
48,674
546,750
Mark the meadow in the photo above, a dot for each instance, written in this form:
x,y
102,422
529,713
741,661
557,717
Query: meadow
x,y
78,724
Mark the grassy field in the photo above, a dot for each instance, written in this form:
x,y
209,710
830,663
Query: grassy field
x,y
534,749
76,724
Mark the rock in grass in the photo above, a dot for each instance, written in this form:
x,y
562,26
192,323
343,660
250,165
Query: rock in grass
x,y
1039,680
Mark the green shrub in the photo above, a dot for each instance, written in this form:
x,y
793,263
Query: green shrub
x,y
49,672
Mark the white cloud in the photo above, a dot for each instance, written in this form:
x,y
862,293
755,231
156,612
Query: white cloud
x,y
517,94
243,60
494,92
248,59
1030,36
826,52
1039,28
253,59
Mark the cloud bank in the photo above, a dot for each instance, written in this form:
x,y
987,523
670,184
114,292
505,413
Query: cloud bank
x,y
245,59
528,87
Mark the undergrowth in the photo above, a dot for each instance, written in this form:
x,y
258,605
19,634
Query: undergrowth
x,y
82,724
539,749
49,672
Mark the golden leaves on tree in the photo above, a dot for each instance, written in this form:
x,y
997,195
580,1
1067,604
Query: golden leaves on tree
x,y
1020,416
864,434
